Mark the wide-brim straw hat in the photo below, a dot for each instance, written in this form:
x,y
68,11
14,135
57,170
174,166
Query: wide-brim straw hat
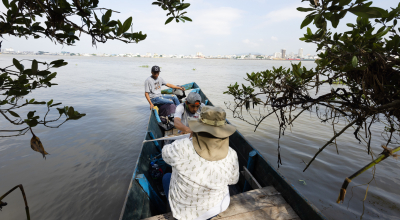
x,y
213,121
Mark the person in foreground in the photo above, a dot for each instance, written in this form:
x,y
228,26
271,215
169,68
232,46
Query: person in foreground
x,y
202,168
189,109
152,89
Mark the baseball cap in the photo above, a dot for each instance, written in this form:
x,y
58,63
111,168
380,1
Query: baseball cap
x,y
193,98
155,69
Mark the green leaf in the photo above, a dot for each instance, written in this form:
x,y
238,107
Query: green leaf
x,y
307,21
5,2
186,18
335,18
120,28
183,6
13,114
112,23
34,67
61,111
186,5
38,103
55,104
354,61
169,20
32,100
58,63
18,65
32,123
344,2
50,102
367,12
383,33
107,16
70,112
30,114
127,24
49,77
305,9
309,32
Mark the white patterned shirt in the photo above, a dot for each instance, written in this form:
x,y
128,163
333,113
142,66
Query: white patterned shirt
x,y
197,185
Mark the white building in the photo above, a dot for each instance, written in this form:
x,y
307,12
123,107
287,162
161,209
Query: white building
x,y
301,53
9,50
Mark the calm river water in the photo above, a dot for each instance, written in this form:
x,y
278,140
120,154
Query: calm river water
x,y
91,161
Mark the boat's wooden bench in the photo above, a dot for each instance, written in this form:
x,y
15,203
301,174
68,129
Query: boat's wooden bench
x,y
264,203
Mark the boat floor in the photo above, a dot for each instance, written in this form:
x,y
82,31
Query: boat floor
x,y
264,203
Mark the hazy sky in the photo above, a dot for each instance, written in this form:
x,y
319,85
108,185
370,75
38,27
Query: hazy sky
x,y
218,27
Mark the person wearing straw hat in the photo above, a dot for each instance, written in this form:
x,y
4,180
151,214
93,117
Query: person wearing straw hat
x,y
202,167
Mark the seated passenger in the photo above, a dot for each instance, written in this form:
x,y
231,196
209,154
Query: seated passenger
x,y
152,88
189,109
202,168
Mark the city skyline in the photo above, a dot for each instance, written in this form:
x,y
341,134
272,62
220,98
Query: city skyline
x,y
275,55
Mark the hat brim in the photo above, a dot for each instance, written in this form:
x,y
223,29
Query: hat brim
x,y
217,131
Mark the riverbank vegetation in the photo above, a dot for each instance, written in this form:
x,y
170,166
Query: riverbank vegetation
x,y
364,59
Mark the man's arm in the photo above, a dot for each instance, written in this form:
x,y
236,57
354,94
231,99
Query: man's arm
x,y
148,99
180,126
175,87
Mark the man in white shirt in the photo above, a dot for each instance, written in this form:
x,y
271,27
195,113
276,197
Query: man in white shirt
x,y
202,168
189,109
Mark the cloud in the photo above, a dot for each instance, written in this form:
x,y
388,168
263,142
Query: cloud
x,y
283,14
199,46
218,21
274,38
250,43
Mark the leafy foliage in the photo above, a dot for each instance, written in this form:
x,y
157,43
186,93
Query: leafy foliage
x,y
175,8
17,82
365,60
55,20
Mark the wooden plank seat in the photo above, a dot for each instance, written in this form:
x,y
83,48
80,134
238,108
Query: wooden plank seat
x,y
264,203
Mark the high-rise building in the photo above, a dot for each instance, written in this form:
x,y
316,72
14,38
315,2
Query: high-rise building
x,y
301,52
277,55
283,53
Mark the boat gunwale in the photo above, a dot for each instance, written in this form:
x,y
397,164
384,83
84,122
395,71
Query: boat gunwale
x,y
134,172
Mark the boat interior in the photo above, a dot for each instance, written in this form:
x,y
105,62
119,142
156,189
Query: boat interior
x,y
261,193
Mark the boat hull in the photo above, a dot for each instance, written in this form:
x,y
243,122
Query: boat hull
x,y
144,200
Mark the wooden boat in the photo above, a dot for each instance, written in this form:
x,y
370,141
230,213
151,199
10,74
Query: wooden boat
x,y
144,199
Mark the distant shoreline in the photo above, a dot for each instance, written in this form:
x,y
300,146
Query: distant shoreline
x,y
9,54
